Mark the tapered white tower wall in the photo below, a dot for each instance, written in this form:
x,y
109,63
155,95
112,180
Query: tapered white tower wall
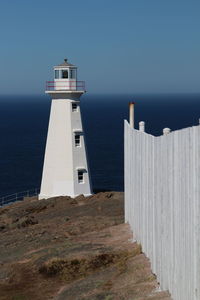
x,y
65,170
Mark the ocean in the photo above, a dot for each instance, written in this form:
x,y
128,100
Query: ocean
x,y
24,125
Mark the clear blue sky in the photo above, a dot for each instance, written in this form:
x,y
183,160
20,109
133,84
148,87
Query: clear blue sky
x,y
130,46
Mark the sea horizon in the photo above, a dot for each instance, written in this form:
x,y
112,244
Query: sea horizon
x,y
24,125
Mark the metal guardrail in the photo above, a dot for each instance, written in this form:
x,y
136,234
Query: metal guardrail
x,y
70,85
8,199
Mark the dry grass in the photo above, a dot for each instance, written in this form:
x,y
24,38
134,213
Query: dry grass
x,y
65,248
70,270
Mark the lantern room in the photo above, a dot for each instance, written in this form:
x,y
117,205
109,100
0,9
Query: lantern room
x,y
65,76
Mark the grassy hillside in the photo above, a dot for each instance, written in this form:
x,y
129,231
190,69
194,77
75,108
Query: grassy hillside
x,y
64,248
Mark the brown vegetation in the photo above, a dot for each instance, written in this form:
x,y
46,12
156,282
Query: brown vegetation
x,y
72,249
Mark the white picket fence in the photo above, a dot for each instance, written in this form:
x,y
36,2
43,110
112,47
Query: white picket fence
x,y
162,205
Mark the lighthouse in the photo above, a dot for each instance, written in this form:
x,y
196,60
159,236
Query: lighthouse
x,y
65,169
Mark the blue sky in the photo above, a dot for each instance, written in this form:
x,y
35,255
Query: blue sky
x,y
130,46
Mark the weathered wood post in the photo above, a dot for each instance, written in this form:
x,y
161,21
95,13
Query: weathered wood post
x,y
131,114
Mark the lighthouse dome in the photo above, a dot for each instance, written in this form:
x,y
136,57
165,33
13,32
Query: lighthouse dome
x,y
65,64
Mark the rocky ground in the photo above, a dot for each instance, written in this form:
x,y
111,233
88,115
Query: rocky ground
x,y
72,249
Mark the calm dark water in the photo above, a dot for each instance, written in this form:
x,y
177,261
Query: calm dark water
x,y
24,123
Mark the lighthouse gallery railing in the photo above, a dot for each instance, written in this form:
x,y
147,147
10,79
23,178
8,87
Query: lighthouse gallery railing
x,y
65,85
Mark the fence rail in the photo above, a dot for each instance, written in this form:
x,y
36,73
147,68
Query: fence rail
x,y
162,205
8,199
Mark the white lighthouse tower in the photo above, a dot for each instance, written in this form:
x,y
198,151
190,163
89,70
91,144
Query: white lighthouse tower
x,y
65,170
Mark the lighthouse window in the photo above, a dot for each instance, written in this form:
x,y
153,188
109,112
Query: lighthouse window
x,y
74,107
64,74
72,74
56,74
77,140
80,176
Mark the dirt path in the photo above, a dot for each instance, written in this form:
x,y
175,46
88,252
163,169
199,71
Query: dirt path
x,y
72,249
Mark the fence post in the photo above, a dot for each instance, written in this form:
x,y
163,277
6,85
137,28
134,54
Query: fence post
x,y
131,114
166,131
142,126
